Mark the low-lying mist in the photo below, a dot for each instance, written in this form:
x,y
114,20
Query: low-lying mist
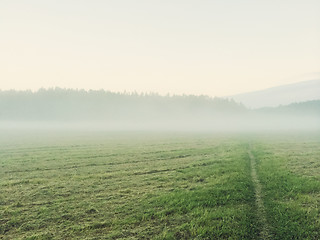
x,y
99,110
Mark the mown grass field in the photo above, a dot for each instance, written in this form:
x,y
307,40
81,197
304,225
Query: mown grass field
x,y
158,186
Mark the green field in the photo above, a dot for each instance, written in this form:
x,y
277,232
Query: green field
x,y
159,186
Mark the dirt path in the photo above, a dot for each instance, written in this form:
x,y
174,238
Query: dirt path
x,y
264,233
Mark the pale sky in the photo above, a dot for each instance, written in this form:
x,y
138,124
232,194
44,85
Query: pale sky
x,y
210,47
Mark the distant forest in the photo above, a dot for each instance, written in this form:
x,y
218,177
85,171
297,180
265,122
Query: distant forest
x,y
142,110
69,104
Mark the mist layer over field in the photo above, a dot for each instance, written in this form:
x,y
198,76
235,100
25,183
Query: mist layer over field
x,y
101,110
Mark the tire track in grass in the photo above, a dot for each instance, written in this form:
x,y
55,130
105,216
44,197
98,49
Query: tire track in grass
x,y
261,212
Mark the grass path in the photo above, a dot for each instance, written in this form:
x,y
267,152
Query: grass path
x,y
261,212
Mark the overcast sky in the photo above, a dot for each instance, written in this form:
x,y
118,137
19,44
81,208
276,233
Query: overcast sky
x,y
211,47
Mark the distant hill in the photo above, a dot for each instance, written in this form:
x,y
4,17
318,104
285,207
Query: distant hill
x,y
302,108
281,95
302,115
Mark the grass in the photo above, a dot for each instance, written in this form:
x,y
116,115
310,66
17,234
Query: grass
x,y
155,186
292,190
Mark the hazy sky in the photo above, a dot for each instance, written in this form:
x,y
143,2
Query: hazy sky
x,y
179,46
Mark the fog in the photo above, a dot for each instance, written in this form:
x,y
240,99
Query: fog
x,y
66,109
221,124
